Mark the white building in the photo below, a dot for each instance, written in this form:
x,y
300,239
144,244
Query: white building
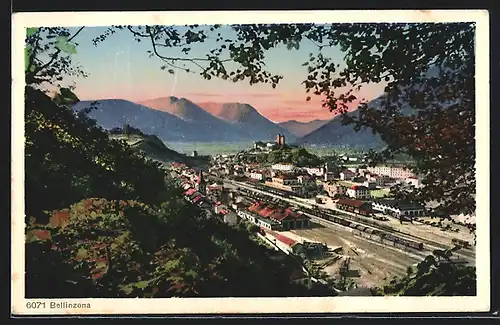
x,y
257,175
316,171
346,175
283,167
359,192
353,169
398,208
392,172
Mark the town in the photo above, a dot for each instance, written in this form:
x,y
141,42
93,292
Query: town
x,y
346,211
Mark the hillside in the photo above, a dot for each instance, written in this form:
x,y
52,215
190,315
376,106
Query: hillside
x,y
155,149
300,129
249,121
334,133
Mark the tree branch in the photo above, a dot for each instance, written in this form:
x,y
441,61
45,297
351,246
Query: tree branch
x,y
56,53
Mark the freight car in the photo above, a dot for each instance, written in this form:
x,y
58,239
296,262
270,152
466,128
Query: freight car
x,y
373,233
460,243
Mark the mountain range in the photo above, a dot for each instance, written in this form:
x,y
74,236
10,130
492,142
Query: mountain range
x,y
301,129
181,120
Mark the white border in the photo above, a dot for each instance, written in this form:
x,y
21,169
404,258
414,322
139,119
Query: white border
x,y
481,302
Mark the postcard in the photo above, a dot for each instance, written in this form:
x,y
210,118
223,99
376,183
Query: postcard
x,y
229,162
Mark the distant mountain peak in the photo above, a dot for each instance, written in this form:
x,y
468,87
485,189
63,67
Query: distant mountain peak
x,y
300,129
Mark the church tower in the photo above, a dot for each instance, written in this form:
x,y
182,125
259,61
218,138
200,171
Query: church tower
x,y
201,187
325,172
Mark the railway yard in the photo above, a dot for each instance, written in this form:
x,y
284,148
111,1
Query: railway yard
x,y
376,250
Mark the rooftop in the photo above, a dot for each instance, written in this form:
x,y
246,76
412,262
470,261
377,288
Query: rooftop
x,y
359,188
402,205
353,203
269,211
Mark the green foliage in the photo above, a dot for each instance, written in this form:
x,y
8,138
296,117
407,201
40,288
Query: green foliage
x,y
68,156
65,97
252,228
112,248
436,275
65,45
297,156
48,59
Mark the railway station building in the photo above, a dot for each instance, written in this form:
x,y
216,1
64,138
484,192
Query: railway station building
x,y
354,206
272,217
398,208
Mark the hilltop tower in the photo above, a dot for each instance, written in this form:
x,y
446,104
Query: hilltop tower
x,y
278,139
201,185
282,140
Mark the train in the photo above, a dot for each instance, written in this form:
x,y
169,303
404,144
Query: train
x,y
460,243
362,212
330,215
366,231
272,190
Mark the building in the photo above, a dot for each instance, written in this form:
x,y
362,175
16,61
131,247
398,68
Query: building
x,y
354,206
414,181
228,216
334,189
359,192
258,175
371,184
306,181
379,180
200,184
280,140
394,172
272,217
398,208
284,167
316,171
346,174
286,183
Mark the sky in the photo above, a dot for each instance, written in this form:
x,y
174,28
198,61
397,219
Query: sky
x,y
121,68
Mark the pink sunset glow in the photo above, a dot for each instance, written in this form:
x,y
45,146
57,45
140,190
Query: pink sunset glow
x,y
118,70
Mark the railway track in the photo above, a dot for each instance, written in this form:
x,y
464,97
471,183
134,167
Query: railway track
x,y
427,242
429,245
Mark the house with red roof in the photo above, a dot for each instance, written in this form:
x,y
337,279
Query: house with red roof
x,y
190,191
272,217
359,192
355,206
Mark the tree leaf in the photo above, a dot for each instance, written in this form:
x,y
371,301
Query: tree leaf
x,y
65,46
32,30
